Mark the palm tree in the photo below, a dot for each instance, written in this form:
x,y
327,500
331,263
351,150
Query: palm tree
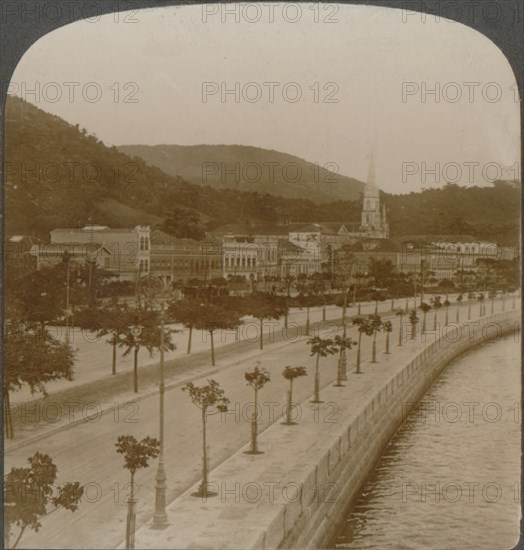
x,y
436,306
400,313
342,344
321,347
204,397
480,299
375,322
364,327
257,379
387,327
413,319
459,301
425,308
447,303
290,373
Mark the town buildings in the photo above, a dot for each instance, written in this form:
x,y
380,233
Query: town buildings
x,y
266,253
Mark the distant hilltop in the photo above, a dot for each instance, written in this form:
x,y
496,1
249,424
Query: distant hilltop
x,y
246,168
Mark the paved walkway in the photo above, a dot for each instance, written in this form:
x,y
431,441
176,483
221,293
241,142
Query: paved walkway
x,y
86,453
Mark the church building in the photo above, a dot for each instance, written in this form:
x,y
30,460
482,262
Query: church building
x,y
373,222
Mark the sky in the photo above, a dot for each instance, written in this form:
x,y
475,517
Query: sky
x,y
328,83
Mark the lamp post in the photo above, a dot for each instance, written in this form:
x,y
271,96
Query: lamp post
x,y
342,360
160,517
67,312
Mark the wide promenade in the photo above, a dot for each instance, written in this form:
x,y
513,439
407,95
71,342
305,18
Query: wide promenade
x,y
84,450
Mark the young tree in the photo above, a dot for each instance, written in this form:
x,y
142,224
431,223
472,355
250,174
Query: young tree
x,y
381,270
459,301
31,493
36,297
447,303
413,319
265,306
492,295
136,456
375,326
110,320
364,327
377,297
437,304
211,317
257,379
289,280
144,333
186,312
480,299
342,343
425,308
32,357
290,373
471,296
320,347
205,397
400,313
387,327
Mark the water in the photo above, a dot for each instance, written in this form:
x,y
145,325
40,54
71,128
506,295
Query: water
x,y
450,478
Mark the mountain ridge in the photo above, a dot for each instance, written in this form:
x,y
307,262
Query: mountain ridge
x,y
249,168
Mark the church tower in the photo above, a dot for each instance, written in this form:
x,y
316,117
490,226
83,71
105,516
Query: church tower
x,y
373,221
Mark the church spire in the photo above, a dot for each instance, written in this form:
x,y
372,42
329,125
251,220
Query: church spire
x,y
371,189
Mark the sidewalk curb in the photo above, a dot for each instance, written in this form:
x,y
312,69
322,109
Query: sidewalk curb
x,y
103,411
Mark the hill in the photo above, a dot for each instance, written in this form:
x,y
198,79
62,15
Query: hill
x,y
249,169
57,175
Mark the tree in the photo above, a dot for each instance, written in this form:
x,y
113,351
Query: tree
x,y
459,301
30,493
320,347
447,303
143,333
32,357
211,317
413,319
288,281
381,270
35,297
362,327
437,304
387,327
109,320
290,373
265,306
187,313
375,326
342,343
400,312
184,223
257,379
136,456
425,308
480,299
377,297
204,397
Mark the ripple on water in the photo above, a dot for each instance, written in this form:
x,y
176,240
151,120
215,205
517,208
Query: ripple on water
x,y
450,480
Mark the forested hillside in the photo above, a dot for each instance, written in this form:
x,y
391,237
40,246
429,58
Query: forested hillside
x,y
58,175
250,169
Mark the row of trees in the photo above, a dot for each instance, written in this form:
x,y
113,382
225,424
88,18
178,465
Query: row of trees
x,y
210,398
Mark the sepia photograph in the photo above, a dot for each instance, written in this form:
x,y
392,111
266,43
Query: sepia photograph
x,y
261,275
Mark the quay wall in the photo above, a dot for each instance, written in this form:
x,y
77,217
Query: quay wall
x,y
361,442
316,470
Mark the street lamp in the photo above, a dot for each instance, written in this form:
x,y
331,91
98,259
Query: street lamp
x,y
342,360
160,517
